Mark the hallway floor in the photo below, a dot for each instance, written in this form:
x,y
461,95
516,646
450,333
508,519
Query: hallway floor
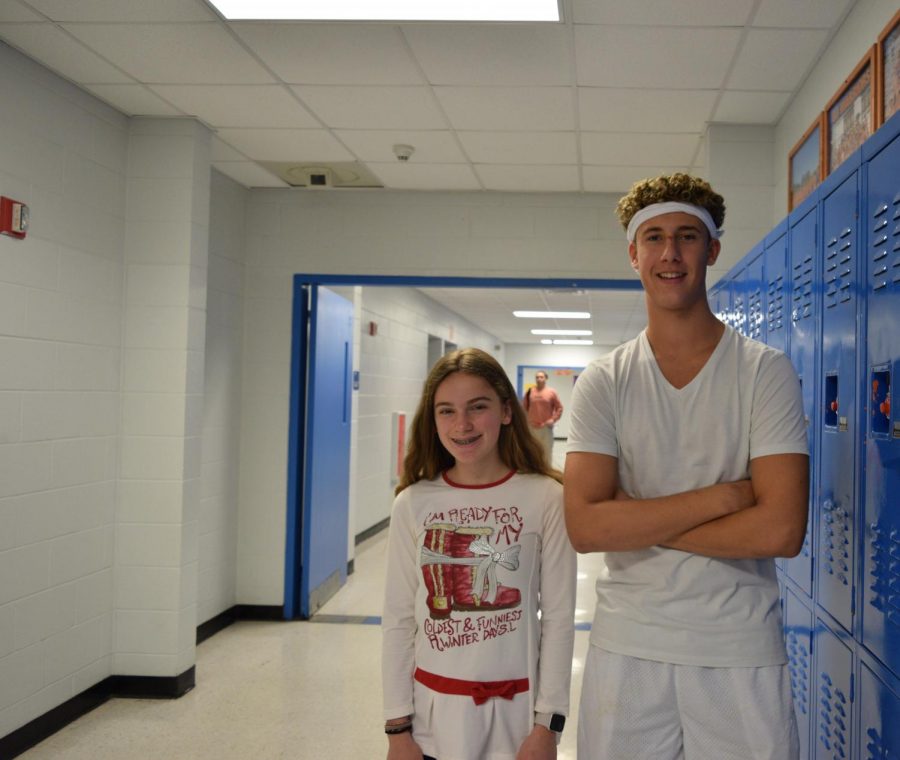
x,y
270,690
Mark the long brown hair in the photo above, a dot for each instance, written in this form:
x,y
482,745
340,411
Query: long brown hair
x,y
426,456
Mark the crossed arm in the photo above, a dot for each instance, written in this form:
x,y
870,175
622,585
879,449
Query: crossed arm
x,y
764,516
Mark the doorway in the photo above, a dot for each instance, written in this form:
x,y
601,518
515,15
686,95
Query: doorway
x,y
303,509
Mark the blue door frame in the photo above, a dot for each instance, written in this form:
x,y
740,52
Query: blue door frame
x,y
300,352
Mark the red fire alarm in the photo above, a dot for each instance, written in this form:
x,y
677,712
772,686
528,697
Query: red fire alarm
x,y
13,218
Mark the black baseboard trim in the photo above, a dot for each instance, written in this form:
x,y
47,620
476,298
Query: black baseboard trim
x,y
238,612
259,611
212,626
371,531
351,567
153,687
143,687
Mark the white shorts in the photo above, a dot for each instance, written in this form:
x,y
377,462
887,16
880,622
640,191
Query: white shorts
x,y
634,709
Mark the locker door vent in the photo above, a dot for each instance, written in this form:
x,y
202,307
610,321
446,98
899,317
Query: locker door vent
x,y
775,309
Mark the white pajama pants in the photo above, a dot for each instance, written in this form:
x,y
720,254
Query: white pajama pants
x,y
633,709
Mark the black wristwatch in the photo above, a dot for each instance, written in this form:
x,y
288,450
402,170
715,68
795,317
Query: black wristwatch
x,y
552,721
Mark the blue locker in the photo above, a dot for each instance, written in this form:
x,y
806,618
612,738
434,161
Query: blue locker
x,y
723,302
838,417
878,734
755,289
833,694
798,641
739,301
776,296
880,608
715,297
803,338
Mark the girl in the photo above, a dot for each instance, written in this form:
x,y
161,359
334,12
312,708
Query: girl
x,y
478,621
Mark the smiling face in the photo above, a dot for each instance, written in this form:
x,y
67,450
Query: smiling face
x,y
468,415
670,252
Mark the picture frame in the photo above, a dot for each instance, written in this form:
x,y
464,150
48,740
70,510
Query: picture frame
x,y
850,114
887,71
806,163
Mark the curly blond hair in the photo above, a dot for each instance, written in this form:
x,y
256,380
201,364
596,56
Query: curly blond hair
x,y
671,187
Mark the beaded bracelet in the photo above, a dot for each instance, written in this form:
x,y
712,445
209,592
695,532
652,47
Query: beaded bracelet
x,y
399,728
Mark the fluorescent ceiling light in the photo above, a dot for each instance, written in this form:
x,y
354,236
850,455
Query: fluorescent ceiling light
x,y
389,10
552,314
547,342
573,342
562,332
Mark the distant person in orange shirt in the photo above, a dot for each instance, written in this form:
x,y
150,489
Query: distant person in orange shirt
x,y
544,410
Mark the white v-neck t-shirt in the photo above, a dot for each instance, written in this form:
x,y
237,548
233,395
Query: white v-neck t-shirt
x,y
665,604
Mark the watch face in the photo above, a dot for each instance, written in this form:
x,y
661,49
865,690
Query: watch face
x,y
557,723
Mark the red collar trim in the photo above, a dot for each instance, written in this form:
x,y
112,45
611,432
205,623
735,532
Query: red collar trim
x,y
485,485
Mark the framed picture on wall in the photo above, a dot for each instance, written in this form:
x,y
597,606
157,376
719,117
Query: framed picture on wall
x,y
805,163
850,114
887,71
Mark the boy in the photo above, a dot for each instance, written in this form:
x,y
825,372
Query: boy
x,y
687,465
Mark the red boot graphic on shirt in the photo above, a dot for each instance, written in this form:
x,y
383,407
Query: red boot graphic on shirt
x,y
459,566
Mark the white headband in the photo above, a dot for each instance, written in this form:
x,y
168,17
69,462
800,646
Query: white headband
x,y
657,209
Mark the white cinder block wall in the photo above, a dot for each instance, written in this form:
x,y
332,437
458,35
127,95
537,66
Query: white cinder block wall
x,y
61,297
222,400
157,531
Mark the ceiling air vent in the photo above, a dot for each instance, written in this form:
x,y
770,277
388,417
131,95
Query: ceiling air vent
x,y
319,176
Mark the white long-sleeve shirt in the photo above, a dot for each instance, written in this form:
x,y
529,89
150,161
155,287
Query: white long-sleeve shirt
x,y
523,511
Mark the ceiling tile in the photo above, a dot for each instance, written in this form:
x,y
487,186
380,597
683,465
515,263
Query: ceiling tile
x,y
373,107
133,99
612,148
332,53
617,179
107,11
301,145
248,174
664,12
13,11
809,14
508,108
431,147
224,152
520,147
544,179
57,50
654,57
492,54
239,105
173,53
741,107
613,110
426,176
776,59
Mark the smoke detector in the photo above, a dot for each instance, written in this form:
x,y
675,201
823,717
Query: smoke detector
x,y
403,152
